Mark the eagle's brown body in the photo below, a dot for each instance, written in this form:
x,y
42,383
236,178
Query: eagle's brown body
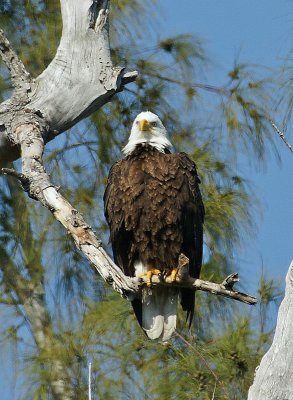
x,y
155,212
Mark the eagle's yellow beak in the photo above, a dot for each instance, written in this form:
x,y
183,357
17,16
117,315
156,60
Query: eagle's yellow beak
x,y
144,125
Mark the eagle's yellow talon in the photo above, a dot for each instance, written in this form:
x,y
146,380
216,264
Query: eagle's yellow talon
x,y
149,275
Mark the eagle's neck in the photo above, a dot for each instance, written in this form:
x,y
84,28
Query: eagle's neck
x,y
145,148
161,144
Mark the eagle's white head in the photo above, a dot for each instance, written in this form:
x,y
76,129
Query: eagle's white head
x,y
148,128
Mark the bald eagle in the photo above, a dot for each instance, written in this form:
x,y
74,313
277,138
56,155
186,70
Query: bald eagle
x,y
155,212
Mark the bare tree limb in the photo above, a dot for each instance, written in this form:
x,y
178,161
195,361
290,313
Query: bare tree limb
x,y
184,280
79,80
60,97
273,379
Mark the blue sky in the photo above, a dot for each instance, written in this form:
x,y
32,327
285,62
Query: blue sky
x,y
254,32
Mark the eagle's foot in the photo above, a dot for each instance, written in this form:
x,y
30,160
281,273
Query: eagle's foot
x,y
149,275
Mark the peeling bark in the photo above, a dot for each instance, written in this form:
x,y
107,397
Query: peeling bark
x,y
273,378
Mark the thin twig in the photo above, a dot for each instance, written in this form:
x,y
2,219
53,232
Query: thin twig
x,y
9,171
281,134
221,90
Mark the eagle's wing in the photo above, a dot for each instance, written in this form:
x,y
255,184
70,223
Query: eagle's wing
x,y
114,200
115,197
192,230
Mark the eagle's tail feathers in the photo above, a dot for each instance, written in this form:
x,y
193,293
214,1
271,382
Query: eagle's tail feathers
x,y
159,312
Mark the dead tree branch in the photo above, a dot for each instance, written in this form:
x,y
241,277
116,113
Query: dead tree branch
x,y
184,280
79,80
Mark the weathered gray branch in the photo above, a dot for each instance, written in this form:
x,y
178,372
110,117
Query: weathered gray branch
x,y
273,379
80,79
184,280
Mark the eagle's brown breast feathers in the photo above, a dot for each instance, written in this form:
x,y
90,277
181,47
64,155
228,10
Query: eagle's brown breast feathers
x,y
154,208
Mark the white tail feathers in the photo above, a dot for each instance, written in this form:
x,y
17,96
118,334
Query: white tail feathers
x,y
159,308
159,312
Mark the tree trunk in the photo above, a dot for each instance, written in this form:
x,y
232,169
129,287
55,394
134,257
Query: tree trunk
x,y
273,378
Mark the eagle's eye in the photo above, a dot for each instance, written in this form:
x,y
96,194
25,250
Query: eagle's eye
x,y
154,124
